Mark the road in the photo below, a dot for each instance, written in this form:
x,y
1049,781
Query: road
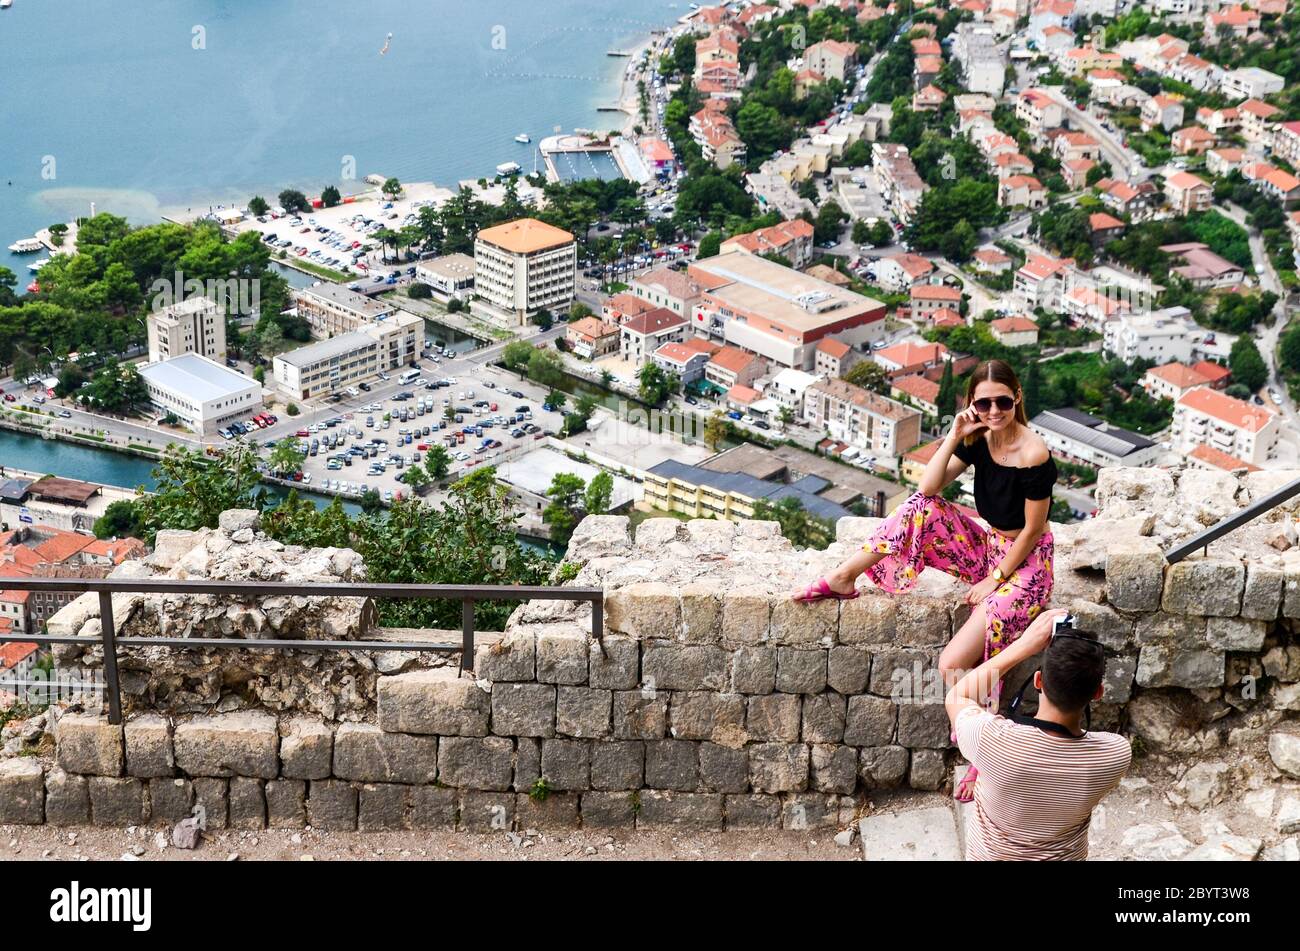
x,y
1121,159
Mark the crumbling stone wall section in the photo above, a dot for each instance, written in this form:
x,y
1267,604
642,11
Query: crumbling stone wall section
x,y
711,700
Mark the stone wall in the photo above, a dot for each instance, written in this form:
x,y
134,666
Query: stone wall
x,y
711,701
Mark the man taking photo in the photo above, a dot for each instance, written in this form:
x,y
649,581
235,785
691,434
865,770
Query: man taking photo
x,y
1039,777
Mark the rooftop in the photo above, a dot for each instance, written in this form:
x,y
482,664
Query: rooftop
x,y
326,349
1088,429
525,236
1226,409
197,377
340,295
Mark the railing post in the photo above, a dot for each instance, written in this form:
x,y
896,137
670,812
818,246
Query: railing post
x,y
467,634
110,657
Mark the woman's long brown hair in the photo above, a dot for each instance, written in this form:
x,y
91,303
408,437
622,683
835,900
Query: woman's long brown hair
x,y
996,371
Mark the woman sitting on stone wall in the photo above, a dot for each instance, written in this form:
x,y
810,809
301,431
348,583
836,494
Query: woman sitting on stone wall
x,y
1009,568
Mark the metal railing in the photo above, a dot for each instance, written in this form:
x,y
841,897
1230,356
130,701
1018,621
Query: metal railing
x,y
1237,519
468,595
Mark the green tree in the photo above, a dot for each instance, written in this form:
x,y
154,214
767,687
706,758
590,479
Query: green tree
x,y
715,430
516,354
803,529
292,200
869,375
545,367
437,462
1246,363
655,384
599,491
710,245
391,188
562,514
257,206
946,401
330,196
193,490
286,457
120,520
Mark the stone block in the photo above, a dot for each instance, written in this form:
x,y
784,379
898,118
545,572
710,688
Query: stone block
x,y
554,811
869,721
1114,630
723,769
1235,634
88,745
672,764
640,714
116,801
882,767
774,717
800,671
247,803
22,791
847,669
614,663
441,702
753,670
1291,591
486,811
170,800
927,770
869,619
332,805
528,763
900,673
67,798
1173,667
566,764
510,659
306,748
149,746
834,768
1261,599
810,810
472,762
778,767
824,717
705,715
246,743
1117,681
562,654
923,725
660,808
683,667
921,622
286,803
805,624
918,835
433,807
617,765
364,753
1204,586
582,712
754,811
701,612
521,709
746,617
645,610
608,809
383,806
1171,630
600,536
210,793
1135,570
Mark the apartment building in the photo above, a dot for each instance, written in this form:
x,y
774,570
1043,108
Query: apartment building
x,y
976,52
792,240
714,133
196,325
1161,336
1171,380
860,418
524,266
730,366
331,365
592,338
834,59
1187,193
645,333
668,288
1039,112
1206,417
451,275
900,185
1040,282
928,298
834,357
331,309
902,271
776,312
686,359
1257,121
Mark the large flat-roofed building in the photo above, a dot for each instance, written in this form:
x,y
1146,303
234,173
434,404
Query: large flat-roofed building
x,y
197,325
1080,437
523,266
331,309
203,394
451,275
778,313
327,366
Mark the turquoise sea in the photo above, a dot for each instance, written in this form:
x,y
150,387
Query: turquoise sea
x,y
144,106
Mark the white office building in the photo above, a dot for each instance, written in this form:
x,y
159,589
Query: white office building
x,y
203,394
1163,336
196,325
451,275
328,366
524,266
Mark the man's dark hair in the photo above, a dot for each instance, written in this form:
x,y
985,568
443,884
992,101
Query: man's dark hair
x,y
1072,670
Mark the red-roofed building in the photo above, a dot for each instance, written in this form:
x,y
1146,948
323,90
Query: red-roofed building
x,y
1021,191
645,333
742,397
686,359
1040,281
833,357
1207,457
909,357
1105,227
591,337
1187,193
623,305
1014,331
1216,373
915,461
1192,140
902,271
792,240
1172,380
992,261
928,298
731,366
1206,417
922,393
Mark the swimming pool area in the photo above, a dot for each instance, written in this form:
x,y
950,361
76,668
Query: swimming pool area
x,y
574,166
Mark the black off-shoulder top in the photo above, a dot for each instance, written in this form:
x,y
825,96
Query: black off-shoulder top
x,y
1001,491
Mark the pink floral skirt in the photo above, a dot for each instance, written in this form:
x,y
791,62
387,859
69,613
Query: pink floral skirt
x,y
928,531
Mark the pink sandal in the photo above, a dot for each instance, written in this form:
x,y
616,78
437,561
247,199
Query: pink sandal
x,y
965,790
821,590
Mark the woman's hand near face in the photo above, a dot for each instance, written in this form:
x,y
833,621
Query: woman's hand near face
x,y
966,423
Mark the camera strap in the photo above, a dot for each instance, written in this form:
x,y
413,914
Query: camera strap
x,y
1048,725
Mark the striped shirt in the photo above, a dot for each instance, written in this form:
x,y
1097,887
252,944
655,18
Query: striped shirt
x,y
1036,790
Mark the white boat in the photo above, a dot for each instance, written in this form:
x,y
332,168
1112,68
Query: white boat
x,y
6,4
25,245
508,168
523,138
37,265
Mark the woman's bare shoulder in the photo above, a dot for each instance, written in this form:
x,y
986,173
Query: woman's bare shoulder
x,y
1036,452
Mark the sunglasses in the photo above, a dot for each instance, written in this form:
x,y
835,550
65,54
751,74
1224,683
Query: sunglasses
x,y
1004,403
